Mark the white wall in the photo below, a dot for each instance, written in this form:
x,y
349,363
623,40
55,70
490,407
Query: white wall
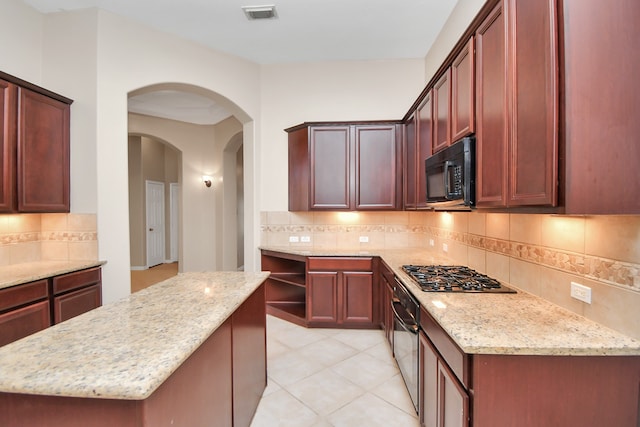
x,y
328,91
460,18
21,41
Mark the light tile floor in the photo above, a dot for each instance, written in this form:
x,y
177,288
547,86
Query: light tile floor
x,y
331,378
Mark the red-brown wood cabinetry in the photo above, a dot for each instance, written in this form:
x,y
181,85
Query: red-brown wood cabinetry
x,y
76,293
340,292
442,112
418,140
344,166
463,93
517,105
34,148
24,310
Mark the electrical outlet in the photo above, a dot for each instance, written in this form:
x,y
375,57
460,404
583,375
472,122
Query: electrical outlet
x,y
305,239
581,292
364,239
445,247
432,242
293,239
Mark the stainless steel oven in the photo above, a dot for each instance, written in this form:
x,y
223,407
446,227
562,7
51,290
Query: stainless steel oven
x,y
406,337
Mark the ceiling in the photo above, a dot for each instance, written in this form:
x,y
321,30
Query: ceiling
x,y
302,31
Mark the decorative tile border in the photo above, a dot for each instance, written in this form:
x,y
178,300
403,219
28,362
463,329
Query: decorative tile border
x,y
622,274
41,236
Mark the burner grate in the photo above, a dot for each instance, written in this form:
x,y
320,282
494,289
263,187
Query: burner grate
x,y
453,278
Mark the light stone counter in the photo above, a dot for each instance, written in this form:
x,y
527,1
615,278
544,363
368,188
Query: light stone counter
x,y
17,274
499,323
126,349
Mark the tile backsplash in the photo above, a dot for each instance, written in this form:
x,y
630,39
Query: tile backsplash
x,y
541,254
47,237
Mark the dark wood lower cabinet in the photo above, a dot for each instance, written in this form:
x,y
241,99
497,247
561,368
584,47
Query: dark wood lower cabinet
x,y
74,303
24,321
499,390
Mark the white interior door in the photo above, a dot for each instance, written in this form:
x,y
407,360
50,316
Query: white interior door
x,y
155,222
174,197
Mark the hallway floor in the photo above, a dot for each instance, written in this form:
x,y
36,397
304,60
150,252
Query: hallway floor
x,y
331,378
141,279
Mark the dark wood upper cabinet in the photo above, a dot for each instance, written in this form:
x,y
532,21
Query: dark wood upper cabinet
x,y
43,153
8,131
442,112
345,167
418,140
602,100
463,93
34,148
517,106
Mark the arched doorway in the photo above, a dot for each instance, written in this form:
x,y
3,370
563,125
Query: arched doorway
x,y
211,218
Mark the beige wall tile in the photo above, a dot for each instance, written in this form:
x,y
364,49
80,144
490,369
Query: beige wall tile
x,y
82,222
325,240
24,223
525,228
5,224
24,252
555,286
525,275
477,259
55,250
278,239
460,222
417,218
79,251
498,266
396,218
458,253
277,218
396,240
263,218
614,237
5,255
477,223
497,226
445,220
615,307
563,232
54,222
365,218
305,218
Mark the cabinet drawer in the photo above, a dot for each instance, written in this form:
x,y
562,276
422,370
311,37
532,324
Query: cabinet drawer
x,y
77,302
24,321
78,279
340,263
18,295
457,360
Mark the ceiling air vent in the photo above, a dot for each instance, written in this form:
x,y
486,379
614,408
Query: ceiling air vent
x,y
259,12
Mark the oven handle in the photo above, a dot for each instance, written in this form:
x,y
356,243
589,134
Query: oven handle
x,y
409,327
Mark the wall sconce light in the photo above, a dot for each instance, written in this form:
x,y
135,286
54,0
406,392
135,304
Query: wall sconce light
x,y
207,180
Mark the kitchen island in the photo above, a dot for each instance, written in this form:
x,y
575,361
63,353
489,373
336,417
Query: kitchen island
x,y
187,351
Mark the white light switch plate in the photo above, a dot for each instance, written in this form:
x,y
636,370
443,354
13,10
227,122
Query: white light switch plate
x,y
581,292
305,239
293,239
445,247
364,239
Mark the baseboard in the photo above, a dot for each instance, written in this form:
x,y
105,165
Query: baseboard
x,y
139,267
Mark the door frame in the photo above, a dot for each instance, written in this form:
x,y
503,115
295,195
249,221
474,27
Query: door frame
x,y
161,243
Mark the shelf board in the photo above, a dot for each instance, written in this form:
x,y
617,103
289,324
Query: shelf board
x,y
294,312
295,279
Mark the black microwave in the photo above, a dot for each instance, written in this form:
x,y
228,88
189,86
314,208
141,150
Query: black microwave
x,y
451,178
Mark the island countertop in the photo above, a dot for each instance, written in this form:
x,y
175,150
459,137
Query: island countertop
x,y
128,348
515,324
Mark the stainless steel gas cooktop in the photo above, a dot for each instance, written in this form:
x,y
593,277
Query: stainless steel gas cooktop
x,y
453,278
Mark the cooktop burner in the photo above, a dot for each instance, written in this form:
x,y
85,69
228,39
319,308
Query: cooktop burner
x,y
453,278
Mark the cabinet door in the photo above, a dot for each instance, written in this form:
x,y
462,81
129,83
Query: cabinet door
x,y
322,293
331,159
24,321
7,146
376,169
453,399
410,161
43,153
462,93
425,143
428,383
534,98
442,112
77,302
491,112
357,297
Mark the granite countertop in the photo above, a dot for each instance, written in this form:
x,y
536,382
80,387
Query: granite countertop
x,y
17,274
519,323
126,349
